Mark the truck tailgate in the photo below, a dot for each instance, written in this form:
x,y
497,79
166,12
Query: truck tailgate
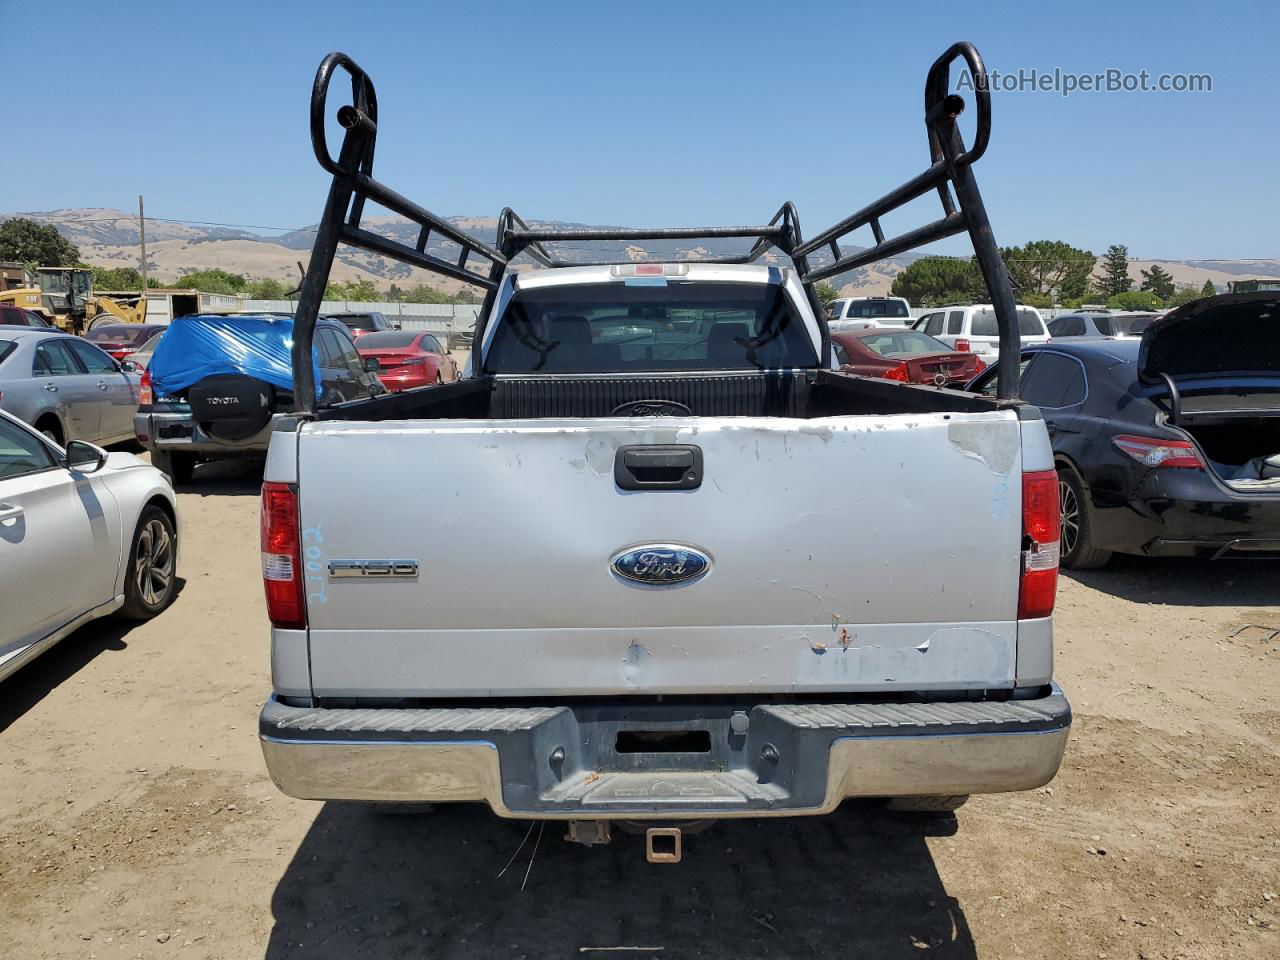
x,y
846,554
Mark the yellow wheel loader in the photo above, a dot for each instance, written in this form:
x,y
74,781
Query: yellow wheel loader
x,y
64,296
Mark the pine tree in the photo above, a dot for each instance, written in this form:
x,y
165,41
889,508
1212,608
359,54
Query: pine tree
x,y
1115,270
1159,281
1208,290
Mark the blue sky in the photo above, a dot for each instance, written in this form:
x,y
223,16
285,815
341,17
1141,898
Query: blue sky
x,y
671,113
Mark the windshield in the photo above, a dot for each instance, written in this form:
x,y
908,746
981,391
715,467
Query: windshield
x,y
1133,326
6,348
357,321
387,341
116,334
618,327
878,308
984,323
64,281
148,348
903,343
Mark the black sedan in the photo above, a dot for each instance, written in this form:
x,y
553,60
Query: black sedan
x,y
1168,445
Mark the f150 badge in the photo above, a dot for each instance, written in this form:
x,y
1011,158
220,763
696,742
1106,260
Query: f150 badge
x,y
660,564
372,569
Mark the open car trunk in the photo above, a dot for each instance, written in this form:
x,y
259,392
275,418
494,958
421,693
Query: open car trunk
x,y
1244,453
1219,360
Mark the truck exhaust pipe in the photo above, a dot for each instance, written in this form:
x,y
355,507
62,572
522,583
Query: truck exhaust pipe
x,y
662,844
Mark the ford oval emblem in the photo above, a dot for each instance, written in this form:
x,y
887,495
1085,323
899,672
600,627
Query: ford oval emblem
x,y
661,564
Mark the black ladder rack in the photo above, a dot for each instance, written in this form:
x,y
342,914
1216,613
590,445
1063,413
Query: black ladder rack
x,y
478,263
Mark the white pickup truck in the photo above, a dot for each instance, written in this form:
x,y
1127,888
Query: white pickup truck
x,y
652,559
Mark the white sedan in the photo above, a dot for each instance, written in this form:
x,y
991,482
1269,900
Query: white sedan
x,y
83,534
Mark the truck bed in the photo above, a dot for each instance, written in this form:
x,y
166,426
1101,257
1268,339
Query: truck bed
x,y
802,394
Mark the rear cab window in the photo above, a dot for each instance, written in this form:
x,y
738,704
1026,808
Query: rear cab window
x,y
616,328
892,309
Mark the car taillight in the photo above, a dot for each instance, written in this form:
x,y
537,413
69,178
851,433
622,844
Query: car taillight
x,y
1041,530
145,394
897,373
962,345
282,556
976,365
1155,452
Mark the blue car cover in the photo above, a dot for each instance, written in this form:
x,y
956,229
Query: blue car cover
x,y
200,345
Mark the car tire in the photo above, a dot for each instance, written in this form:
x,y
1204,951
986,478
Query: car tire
x,y
151,576
1078,551
178,467
926,804
50,429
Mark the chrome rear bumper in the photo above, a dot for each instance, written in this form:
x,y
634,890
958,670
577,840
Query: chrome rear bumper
x,y
559,762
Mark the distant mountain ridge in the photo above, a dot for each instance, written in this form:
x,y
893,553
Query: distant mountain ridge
x,y
109,238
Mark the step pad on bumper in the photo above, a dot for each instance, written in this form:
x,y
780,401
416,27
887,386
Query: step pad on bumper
x,y
408,722
914,718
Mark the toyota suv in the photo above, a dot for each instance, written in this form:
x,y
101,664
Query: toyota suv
x,y
216,382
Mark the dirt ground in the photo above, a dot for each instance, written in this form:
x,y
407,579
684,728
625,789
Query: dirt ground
x,y
136,819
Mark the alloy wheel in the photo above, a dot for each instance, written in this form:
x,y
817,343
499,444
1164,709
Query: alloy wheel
x,y
1070,516
153,563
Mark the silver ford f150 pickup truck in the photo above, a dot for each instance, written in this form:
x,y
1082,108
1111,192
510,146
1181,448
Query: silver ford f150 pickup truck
x,y
653,559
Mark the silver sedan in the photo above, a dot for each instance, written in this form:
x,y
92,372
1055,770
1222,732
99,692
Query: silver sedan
x,y
66,387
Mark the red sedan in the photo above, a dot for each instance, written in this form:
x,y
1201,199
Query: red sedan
x,y
906,355
408,358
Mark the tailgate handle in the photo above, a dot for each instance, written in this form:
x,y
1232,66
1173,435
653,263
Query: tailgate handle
x,y
658,467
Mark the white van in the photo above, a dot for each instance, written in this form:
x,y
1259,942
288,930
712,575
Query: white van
x,y
973,327
862,313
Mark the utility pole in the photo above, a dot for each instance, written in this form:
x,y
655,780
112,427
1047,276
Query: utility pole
x,y
142,235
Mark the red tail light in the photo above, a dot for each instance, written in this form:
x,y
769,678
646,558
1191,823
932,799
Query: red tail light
x,y
282,556
145,394
1041,531
962,345
899,372
1155,452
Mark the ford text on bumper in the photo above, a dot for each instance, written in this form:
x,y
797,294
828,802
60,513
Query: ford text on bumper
x,y
606,762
